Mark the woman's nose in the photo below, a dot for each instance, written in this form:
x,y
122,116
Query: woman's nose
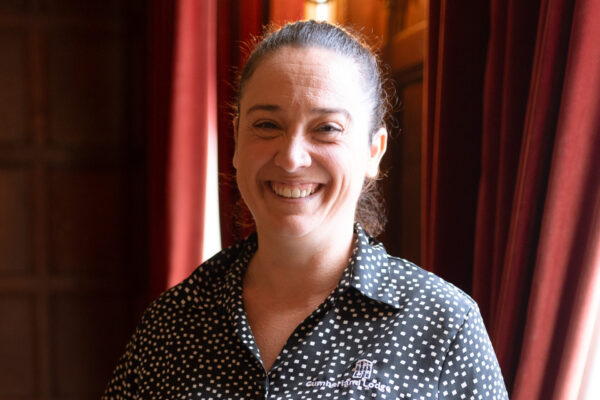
x,y
293,153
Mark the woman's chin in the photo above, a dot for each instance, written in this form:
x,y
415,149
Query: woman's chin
x,y
288,227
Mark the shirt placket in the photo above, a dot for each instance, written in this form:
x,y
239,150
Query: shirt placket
x,y
234,306
296,339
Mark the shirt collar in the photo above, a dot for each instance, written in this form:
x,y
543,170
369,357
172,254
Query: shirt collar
x,y
368,272
230,294
371,274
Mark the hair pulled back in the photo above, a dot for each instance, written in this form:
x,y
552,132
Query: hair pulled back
x,y
369,210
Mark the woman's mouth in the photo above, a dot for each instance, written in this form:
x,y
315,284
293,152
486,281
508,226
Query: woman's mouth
x,y
294,191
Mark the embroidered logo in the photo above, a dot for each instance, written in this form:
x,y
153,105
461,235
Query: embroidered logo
x,y
363,369
361,379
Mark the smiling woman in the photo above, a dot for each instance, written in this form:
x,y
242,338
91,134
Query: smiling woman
x,y
303,129
310,306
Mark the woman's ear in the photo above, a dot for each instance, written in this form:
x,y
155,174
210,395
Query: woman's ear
x,y
377,150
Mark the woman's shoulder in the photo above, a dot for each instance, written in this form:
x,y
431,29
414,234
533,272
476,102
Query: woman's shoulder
x,y
404,284
201,288
426,287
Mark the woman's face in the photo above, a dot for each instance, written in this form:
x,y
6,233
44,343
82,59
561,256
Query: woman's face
x,y
302,142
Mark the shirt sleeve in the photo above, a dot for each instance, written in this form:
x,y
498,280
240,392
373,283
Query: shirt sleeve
x,y
470,369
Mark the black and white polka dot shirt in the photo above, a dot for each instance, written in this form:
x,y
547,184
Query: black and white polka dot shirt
x,y
390,330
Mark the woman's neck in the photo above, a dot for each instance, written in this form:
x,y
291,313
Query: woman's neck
x,y
299,268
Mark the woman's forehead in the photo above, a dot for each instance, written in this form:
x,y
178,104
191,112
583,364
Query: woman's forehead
x,y
305,74
315,59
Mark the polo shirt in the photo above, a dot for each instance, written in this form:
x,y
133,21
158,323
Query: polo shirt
x,y
389,330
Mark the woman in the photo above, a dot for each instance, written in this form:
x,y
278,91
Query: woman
x,y
309,306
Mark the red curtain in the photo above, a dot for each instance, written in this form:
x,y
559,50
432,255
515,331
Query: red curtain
x,y
510,169
193,122
566,256
524,82
575,170
182,105
452,137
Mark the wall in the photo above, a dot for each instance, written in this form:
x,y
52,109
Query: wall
x,y
71,193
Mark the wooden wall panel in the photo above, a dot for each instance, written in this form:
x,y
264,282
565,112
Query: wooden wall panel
x,y
404,51
17,344
13,107
72,193
88,222
402,187
16,230
371,17
81,366
13,6
85,74
86,9
416,12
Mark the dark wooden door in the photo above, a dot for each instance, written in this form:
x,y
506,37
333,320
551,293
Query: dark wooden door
x,y
72,193
405,53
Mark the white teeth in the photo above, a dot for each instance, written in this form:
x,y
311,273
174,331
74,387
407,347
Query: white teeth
x,y
292,193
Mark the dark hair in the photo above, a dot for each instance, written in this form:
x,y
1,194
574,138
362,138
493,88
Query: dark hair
x,y
369,210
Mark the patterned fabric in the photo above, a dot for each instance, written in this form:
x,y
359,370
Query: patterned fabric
x,y
390,330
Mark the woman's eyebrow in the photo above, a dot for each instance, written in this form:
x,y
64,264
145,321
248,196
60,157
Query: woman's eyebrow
x,y
263,107
326,110
318,110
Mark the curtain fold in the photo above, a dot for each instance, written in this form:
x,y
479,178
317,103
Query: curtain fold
x,y
452,136
192,125
182,97
566,260
519,130
579,131
534,239
512,37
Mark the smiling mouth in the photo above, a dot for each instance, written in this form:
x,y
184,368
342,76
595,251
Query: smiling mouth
x,y
293,191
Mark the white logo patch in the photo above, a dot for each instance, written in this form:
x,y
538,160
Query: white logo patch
x,y
362,371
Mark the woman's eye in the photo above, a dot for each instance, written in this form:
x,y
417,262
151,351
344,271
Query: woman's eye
x,y
266,125
266,129
329,130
